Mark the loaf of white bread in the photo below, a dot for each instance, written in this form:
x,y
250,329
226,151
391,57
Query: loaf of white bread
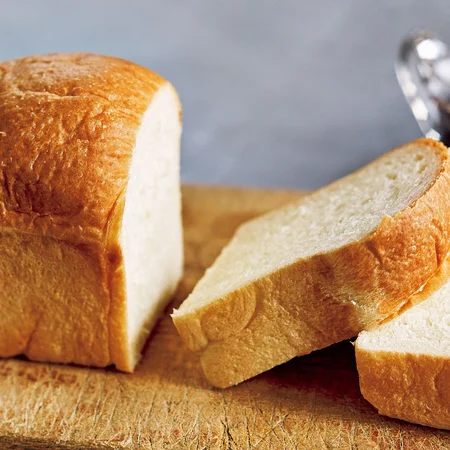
x,y
90,220
321,270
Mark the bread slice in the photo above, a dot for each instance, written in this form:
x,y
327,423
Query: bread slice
x,y
90,220
322,269
404,364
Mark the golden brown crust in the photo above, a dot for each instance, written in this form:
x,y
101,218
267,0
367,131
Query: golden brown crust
x,y
326,298
410,387
68,125
53,306
440,278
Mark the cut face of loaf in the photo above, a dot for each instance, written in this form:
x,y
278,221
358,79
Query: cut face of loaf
x,y
90,213
151,231
322,269
404,365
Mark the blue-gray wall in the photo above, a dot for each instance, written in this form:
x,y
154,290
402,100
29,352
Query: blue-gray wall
x,y
276,93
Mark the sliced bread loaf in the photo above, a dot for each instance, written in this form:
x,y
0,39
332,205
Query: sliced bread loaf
x,y
90,211
324,268
404,364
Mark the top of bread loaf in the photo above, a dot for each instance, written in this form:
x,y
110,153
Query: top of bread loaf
x,y
68,126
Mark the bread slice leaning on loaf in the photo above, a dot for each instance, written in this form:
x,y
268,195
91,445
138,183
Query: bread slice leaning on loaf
x,y
90,221
404,364
322,269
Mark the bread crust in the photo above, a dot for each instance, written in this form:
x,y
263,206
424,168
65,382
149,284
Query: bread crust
x,y
325,298
411,387
68,125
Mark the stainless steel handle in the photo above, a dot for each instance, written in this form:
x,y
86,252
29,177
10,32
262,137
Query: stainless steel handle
x,y
423,72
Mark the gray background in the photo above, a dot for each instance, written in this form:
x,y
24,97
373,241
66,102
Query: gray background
x,y
285,93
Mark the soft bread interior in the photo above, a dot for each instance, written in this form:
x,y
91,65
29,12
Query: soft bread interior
x,y
423,329
151,235
342,213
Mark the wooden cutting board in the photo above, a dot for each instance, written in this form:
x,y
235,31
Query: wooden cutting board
x,y
312,402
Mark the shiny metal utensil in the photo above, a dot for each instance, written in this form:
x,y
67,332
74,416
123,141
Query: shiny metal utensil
x,y
423,72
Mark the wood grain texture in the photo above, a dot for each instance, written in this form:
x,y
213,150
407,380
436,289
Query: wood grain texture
x,y
312,402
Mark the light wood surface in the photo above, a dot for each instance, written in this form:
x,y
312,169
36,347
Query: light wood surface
x,y
312,402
